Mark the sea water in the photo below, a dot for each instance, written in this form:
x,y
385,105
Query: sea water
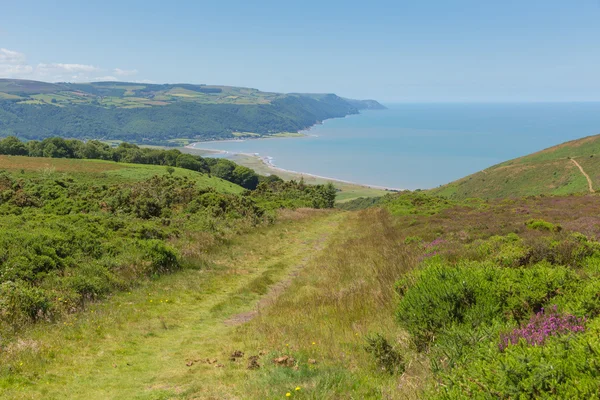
x,y
410,146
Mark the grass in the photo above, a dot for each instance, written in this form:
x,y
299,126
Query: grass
x,y
143,344
109,171
339,300
313,287
548,172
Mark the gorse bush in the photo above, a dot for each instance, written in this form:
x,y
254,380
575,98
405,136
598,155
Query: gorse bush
x,y
541,225
66,240
472,294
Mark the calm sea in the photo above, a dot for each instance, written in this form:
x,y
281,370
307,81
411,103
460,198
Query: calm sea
x,y
412,146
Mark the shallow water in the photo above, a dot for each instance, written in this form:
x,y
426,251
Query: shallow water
x,y
412,146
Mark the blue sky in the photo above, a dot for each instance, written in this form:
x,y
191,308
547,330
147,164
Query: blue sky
x,y
393,51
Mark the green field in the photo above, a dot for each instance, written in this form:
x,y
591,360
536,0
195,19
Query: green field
x,y
108,171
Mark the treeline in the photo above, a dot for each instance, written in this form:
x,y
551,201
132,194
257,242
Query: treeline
x,y
290,113
129,153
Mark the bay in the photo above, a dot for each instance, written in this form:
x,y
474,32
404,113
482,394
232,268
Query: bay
x,y
410,146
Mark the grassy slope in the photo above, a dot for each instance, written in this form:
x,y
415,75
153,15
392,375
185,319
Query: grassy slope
x,y
549,171
137,344
108,171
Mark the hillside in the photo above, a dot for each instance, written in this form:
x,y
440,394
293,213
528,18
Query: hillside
x,y
129,280
154,113
571,167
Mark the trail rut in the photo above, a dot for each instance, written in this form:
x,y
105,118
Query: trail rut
x,y
589,181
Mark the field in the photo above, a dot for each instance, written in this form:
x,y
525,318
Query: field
x,y
108,171
129,95
150,336
551,171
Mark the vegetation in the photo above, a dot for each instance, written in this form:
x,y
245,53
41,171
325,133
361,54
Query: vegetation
x,y
68,239
56,147
553,171
153,114
410,295
346,191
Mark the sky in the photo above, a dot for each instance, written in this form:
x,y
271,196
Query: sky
x,y
392,51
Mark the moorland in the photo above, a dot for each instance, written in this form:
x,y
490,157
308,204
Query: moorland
x,y
128,274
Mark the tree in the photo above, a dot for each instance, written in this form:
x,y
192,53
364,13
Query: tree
x,y
13,146
223,169
194,163
245,177
57,148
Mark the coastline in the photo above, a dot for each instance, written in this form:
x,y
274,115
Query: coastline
x,y
267,161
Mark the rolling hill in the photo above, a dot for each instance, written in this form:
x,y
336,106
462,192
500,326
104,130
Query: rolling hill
x,y
568,168
156,113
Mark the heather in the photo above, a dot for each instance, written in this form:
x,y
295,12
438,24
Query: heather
x,y
413,297
504,304
541,326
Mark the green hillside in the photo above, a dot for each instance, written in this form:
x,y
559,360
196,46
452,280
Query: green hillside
x,y
153,113
553,171
127,280
109,172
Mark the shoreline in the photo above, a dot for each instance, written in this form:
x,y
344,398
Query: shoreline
x,y
268,162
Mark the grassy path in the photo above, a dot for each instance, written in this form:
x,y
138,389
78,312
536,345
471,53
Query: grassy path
x,y
152,343
589,181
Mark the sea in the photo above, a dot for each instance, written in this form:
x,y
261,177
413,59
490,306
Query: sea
x,y
421,146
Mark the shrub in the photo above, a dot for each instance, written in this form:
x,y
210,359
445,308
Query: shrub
x,y
387,359
440,296
21,303
162,257
542,325
541,225
564,368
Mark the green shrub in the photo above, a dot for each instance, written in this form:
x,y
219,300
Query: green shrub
x,y
412,239
387,359
541,225
440,295
21,303
564,368
162,257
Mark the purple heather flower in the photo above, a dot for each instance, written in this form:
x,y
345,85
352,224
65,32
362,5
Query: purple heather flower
x,y
541,325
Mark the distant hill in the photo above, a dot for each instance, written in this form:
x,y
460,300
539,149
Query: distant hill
x,y
571,167
155,113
